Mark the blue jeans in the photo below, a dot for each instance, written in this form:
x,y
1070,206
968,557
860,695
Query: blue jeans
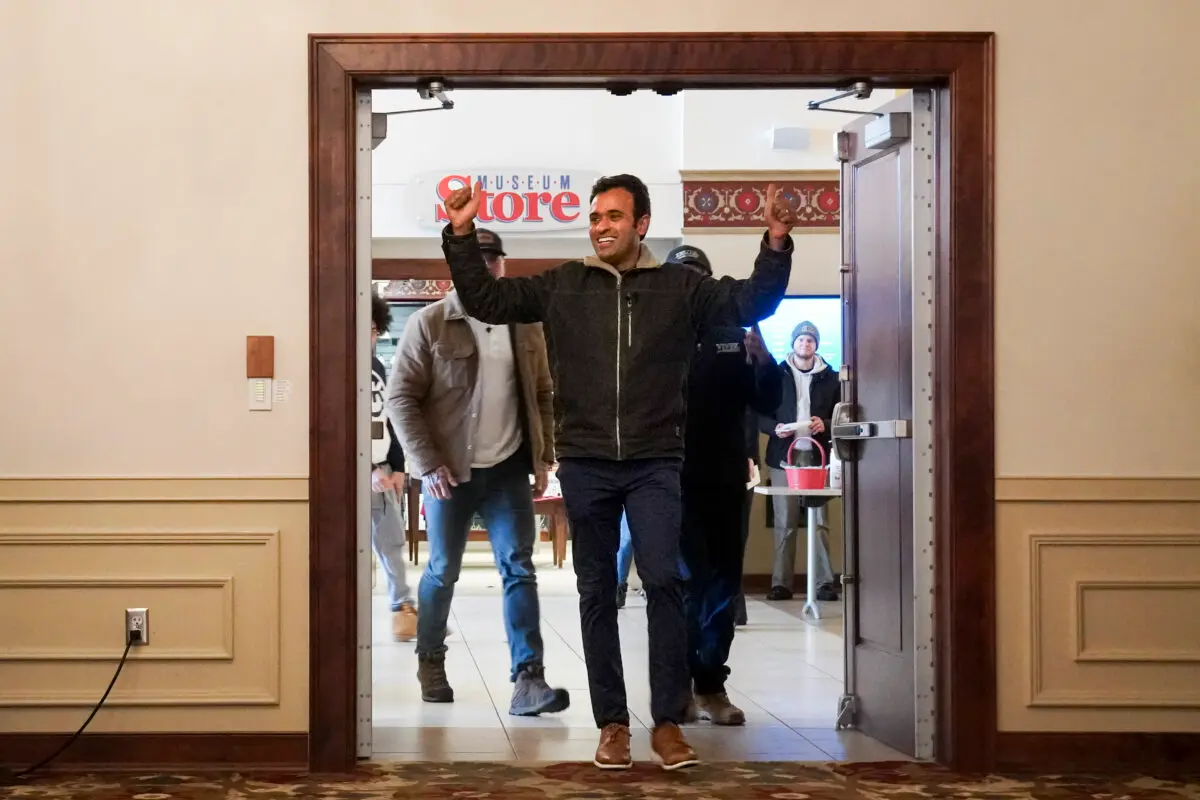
x,y
503,497
624,551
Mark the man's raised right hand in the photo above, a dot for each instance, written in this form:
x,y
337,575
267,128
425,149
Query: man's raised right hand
x,y
439,482
462,206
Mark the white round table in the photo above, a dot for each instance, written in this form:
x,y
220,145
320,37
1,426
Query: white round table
x,y
810,599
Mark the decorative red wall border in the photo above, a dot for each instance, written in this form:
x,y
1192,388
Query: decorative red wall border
x,y
736,203
416,289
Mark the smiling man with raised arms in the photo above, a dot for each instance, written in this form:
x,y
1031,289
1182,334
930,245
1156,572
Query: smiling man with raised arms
x,y
620,333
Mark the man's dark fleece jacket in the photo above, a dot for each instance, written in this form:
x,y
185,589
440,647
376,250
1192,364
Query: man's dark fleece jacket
x,y
620,344
722,386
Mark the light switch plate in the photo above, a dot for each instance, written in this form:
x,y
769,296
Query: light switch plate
x,y
259,393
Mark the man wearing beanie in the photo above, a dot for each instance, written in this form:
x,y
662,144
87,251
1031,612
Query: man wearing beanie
x,y
810,391
731,371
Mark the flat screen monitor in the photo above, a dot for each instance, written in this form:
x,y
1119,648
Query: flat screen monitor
x,y
824,311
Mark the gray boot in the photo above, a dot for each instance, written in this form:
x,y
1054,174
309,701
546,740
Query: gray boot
x,y
435,687
532,695
718,709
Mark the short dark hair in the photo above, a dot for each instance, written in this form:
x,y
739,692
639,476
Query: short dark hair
x,y
381,313
631,184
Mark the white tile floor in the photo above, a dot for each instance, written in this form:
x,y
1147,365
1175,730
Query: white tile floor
x,y
786,675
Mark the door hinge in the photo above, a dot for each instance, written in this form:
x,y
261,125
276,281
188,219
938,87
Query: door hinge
x,y
844,373
847,711
845,268
847,580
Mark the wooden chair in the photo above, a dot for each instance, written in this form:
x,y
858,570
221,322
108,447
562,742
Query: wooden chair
x,y
557,530
551,508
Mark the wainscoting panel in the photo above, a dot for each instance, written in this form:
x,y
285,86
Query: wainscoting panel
x,y
1098,597
197,610
222,566
1109,630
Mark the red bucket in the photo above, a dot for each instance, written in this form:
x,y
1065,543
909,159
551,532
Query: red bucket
x,y
805,477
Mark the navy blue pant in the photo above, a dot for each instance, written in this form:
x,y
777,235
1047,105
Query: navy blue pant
x,y
595,492
741,618
713,552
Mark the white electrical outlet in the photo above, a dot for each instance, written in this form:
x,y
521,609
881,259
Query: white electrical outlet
x,y
137,626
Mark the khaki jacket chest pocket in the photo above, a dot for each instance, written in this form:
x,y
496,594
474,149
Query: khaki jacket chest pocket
x,y
452,364
527,370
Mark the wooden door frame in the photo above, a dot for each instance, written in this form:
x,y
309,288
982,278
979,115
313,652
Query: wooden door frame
x,y
960,65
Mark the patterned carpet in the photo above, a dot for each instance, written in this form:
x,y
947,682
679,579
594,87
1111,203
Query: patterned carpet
x,y
478,781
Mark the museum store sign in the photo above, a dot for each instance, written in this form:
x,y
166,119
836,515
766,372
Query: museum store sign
x,y
515,200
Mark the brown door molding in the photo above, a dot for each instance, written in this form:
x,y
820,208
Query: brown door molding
x,y
959,64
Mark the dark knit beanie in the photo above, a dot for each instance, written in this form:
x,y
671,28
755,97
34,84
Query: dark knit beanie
x,y
806,328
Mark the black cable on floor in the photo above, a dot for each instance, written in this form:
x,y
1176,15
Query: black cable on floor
x,y
29,771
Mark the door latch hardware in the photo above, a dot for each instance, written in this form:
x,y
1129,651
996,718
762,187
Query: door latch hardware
x,y
885,429
846,449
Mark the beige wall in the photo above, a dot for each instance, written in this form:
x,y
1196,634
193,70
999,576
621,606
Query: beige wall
x,y
153,213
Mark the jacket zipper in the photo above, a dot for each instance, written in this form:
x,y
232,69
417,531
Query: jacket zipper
x,y
629,323
619,315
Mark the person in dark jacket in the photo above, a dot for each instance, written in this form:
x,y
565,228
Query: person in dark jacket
x,y
810,391
387,489
731,371
754,462
621,331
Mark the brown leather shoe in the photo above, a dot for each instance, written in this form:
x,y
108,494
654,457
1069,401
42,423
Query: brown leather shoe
x,y
613,752
671,750
404,623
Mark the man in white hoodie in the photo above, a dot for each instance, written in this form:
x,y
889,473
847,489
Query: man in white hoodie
x,y
810,391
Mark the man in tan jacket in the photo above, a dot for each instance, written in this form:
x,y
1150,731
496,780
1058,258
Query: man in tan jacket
x,y
472,403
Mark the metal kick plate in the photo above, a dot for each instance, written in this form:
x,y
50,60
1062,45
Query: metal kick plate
x,y
885,429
